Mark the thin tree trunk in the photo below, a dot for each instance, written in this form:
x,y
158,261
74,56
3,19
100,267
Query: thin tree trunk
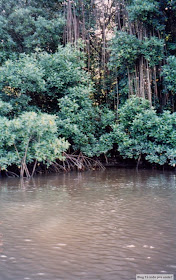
x,y
83,22
34,167
149,85
118,16
137,81
155,82
75,26
117,93
69,22
139,159
65,28
129,83
141,78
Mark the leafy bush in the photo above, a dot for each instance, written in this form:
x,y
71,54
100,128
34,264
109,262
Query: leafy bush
x,y
153,50
28,138
47,34
141,132
125,49
169,74
147,13
26,26
83,123
41,79
5,108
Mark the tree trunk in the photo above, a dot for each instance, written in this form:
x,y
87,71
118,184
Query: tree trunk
x,y
141,73
149,85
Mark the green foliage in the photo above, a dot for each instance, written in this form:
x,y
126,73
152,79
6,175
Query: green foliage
x,y
23,27
146,12
132,61
47,35
169,74
6,41
130,109
82,123
129,137
163,134
30,137
23,75
141,132
125,49
41,79
153,50
5,108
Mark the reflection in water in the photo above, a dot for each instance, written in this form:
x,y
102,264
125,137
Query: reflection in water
x,y
1,239
95,225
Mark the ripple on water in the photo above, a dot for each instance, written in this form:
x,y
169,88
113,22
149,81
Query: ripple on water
x,y
89,227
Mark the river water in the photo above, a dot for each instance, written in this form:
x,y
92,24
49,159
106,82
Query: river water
x,y
101,225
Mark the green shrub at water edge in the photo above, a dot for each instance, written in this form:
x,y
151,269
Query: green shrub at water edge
x,y
142,133
83,123
30,138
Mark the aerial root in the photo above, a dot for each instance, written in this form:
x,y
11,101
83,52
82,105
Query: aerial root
x,y
77,162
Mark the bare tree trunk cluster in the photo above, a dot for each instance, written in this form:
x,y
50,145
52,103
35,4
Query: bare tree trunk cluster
x,y
105,16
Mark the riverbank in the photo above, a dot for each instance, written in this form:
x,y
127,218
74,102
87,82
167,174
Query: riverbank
x,y
81,163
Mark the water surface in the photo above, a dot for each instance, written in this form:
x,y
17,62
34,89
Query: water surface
x,y
101,225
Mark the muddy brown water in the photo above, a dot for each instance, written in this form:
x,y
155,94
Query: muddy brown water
x,y
101,225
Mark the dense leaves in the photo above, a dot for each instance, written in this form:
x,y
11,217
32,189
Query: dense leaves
x,y
27,25
28,138
82,123
169,74
125,50
40,79
141,133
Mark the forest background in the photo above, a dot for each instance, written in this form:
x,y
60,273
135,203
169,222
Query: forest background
x,y
86,78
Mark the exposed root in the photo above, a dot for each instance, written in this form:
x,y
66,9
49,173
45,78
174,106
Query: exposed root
x,y
77,162
71,162
12,174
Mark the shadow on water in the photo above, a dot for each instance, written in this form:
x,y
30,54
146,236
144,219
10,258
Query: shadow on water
x,y
94,225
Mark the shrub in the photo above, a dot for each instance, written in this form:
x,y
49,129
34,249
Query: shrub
x,y
30,138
